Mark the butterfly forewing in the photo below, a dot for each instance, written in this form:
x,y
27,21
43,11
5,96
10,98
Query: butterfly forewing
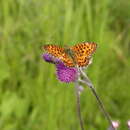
x,y
59,53
83,52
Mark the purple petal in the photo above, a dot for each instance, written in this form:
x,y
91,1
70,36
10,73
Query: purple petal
x,y
51,59
66,74
48,58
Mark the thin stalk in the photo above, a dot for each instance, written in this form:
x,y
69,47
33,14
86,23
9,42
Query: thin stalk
x,y
78,105
91,86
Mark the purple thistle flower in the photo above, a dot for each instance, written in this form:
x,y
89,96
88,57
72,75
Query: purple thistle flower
x,y
64,73
48,58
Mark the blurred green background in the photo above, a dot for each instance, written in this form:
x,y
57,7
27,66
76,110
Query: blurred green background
x,y
31,97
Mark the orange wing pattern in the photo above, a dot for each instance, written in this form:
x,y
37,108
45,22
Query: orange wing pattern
x,y
82,53
59,53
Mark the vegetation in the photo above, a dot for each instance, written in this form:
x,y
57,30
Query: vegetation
x,y
31,98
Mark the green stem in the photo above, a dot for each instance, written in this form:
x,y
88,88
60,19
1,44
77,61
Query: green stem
x,y
91,86
78,105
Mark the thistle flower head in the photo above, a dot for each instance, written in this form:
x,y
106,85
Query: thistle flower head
x,y
64,73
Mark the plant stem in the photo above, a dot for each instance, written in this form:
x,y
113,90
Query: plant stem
x,y
78,105
91,86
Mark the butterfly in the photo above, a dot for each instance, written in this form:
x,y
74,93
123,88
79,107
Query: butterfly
x,y
79,54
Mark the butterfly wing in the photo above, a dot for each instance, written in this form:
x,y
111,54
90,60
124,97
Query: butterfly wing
x,y
59,53
83,52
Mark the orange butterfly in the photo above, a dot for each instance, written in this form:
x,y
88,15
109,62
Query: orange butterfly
x,y
79,54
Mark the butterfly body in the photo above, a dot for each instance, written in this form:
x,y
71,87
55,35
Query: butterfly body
x,y
78,54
